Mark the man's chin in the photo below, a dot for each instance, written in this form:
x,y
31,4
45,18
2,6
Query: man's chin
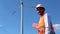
x,y
41,14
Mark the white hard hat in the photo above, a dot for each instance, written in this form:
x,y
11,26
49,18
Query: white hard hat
x,y
39,5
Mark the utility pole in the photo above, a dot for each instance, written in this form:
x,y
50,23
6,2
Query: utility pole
x,y
21,30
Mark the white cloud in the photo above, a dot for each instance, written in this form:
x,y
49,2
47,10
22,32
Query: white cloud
x,y
56,27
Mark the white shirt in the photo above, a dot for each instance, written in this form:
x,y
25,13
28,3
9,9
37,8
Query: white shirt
x,y
47,23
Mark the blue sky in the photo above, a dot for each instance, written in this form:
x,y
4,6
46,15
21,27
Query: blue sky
x,y
31,16
10,15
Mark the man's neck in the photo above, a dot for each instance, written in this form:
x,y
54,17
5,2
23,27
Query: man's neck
x,y
42,14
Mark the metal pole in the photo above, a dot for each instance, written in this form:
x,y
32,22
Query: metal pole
x,y
21,30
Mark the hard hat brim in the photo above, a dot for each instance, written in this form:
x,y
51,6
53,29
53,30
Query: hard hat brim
x,y
40,8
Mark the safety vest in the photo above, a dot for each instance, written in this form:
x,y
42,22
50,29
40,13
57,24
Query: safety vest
x,y
41,29
45,25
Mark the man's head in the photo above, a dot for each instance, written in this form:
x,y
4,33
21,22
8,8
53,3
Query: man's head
x,y
40,9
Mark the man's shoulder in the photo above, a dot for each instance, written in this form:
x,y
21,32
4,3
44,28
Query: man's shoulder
x,y
46,14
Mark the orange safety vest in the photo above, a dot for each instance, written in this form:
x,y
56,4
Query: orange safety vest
x,y
41,29
41,24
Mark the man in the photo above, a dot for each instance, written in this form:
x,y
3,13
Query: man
x,y
45,25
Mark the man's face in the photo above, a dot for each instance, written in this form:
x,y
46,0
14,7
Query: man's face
x,y
40,11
